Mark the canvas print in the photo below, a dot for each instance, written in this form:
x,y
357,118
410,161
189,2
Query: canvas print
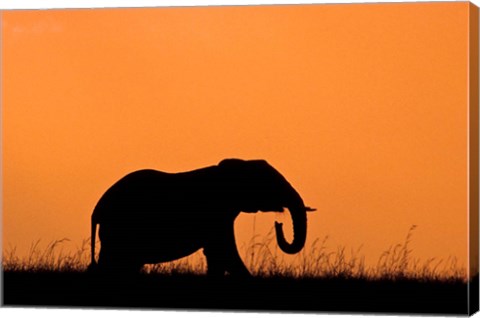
x,y
282,158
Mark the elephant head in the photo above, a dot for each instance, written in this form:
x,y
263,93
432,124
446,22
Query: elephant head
x,y
257,186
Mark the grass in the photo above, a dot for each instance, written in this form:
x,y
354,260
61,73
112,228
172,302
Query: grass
x,y
316,280
51,258
262,257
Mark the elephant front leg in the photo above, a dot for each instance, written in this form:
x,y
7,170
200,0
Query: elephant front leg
x,y
236,266
222,255
216,266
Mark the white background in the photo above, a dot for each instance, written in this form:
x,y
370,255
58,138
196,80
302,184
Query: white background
x,y
82,313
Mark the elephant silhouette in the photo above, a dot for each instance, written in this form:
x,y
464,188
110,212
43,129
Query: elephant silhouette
x,y
150,216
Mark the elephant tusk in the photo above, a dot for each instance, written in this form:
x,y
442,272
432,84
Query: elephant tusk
x,y
309,209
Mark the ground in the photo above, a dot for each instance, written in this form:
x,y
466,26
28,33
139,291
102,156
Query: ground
x,y
333,294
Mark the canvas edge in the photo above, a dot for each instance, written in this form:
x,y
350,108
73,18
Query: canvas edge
x,y
473,159
1,160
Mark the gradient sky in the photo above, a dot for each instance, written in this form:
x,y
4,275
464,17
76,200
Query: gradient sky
x,y
363,108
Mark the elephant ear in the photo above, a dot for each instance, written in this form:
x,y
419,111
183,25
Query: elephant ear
x,y
232,170
232,162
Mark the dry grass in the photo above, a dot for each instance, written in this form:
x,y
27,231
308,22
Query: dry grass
x,y
264,259
50,258
318,261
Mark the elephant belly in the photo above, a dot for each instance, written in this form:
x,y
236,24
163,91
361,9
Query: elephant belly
x,y
151,244
170,251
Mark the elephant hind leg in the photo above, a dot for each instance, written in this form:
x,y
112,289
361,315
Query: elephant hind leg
x,y
110,262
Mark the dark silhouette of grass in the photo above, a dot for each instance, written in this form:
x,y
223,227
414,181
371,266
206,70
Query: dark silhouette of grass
x,y
332,294
320,281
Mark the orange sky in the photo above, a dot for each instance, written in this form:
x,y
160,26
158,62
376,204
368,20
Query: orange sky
x,y
363,108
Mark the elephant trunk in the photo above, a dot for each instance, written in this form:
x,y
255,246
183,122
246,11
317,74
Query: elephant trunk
x,y
298,212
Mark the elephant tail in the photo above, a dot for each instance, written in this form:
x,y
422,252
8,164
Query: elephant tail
x,y
93,263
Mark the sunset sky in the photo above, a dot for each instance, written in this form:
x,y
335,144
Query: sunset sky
x,y
363,108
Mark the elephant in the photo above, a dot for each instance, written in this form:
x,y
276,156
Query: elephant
x,y
151,216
